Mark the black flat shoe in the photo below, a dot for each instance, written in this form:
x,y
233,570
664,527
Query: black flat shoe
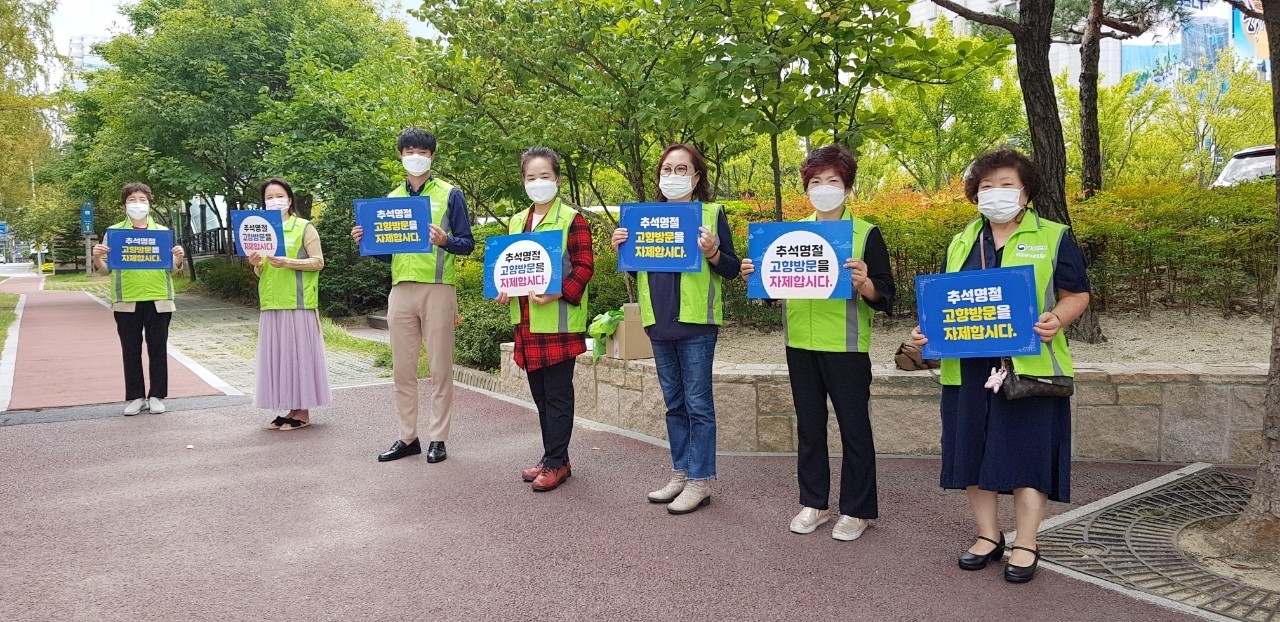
x,y
1022,574
435,452
400,450
973,561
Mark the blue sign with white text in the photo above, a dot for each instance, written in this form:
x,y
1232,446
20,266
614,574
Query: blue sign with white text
x,y
4,228
139,249
523,264
661,237
86,218
394,225
258,231
978,313
800,259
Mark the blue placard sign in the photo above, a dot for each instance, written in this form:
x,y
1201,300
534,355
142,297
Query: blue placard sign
x,y
978,313
86,217
139,249
258,231
661,237
800,259
525,263
4,228
394,225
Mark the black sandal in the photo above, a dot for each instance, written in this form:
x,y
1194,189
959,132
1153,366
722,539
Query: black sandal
x,y
293,424
279,421
973,561
1022,574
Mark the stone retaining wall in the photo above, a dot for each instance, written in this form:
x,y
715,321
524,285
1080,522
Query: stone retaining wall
x,y
1166,413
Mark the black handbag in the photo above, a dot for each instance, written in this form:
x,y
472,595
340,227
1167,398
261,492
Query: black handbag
x,y
1017,386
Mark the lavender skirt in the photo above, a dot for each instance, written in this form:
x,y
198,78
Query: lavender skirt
x,y
292,373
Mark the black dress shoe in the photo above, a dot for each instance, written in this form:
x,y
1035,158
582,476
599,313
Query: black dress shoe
x,y
436,452
1021,574
400,450
973,561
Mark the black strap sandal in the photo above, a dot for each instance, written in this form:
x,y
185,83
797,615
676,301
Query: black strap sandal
x,y
279,421
1022,574
973,561
293,424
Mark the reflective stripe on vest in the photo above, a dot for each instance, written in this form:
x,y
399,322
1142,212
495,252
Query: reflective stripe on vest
x,y
286,288
142,285
566,318
1040,238
701,293
437,265
832,325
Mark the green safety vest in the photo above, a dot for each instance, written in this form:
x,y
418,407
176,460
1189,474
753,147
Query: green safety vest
x,y
286,288
142,285
832,325
701,293
1034,243
559,317
437,265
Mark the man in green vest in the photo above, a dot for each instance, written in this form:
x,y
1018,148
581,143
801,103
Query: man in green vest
x,y
422,304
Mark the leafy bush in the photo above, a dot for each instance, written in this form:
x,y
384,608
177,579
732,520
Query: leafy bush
x,y
350,284
485,325
228,279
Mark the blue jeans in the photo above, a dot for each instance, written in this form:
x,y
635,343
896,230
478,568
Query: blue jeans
x,y
684,372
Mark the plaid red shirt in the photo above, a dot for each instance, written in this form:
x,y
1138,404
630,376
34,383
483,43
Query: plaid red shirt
x,y
533,351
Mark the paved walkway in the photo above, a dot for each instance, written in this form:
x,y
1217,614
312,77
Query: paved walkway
x,y
207,516
68,353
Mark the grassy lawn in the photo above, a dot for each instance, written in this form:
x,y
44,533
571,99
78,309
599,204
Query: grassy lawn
x,y
337,338
101,285
8,306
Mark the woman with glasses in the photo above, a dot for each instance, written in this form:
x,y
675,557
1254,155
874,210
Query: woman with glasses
x,y
682,314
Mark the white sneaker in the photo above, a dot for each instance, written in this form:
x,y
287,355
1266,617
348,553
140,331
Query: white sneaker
x,y
134,407
808,519
849,528
155,405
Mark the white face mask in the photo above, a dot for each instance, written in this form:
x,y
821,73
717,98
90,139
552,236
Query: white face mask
x,y
415,164
541,190
278,203
1000,205
826,198
137,211
676,186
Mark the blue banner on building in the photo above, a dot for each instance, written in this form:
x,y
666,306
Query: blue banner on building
x,y
800,259
258,231
661,237
523,264
394,225
978,313
139,249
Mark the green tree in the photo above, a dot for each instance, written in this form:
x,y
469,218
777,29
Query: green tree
x,y
26,50
1127,120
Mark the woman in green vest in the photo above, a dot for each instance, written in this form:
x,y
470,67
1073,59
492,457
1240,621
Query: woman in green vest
x,y
142,302
827,343
292,373
682,314
550,328
992,445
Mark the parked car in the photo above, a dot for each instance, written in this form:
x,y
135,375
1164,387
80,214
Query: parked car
x,y
1246,165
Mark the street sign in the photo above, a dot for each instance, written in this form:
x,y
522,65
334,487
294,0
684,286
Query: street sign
x,y
4,229
86,217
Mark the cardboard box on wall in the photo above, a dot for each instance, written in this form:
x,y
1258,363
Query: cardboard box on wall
x,y
629,342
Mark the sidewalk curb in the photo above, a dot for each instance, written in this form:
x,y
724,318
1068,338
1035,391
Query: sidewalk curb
x,y
9,355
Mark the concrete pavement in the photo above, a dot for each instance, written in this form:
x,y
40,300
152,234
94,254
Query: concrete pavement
x,y
117,519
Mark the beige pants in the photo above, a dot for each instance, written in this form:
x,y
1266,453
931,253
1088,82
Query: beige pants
x,y
418,311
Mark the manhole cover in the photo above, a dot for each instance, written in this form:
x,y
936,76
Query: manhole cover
x,y
1134,544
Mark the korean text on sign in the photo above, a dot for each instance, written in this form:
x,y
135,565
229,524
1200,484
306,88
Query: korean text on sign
x,y
979,313
524,263
394,225
131,250
661,237
800,260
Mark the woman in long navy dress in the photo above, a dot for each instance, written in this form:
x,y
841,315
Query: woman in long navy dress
x,y
992,445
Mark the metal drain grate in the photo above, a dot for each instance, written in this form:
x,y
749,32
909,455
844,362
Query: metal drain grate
x,y
1134,544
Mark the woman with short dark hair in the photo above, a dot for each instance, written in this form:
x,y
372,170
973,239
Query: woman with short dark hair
x,y
142,302
827,343
292,372
993,445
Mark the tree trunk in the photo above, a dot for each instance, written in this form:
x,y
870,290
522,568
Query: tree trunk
x,y
776,163
1258,528
1090,141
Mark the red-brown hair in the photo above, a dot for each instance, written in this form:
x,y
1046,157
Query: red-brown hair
x,y
701,190
833,157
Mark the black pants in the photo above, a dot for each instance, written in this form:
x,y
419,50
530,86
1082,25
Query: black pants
x,y
552,389
846,377
131,327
